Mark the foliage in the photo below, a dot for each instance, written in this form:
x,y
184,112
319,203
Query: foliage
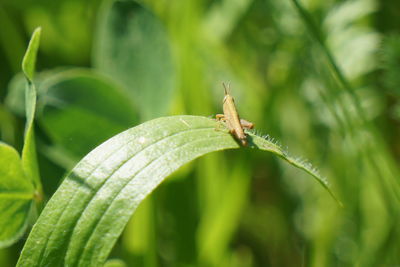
x,y
20,184
321,76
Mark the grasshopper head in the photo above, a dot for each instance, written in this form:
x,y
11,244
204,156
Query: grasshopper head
x,y
227,89
228,98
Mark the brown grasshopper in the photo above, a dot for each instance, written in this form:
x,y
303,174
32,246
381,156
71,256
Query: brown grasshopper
x,y
232,119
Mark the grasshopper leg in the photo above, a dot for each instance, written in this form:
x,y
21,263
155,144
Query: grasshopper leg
x,y
220,117
246,124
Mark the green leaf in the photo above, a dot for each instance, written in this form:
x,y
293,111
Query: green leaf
x,y
19,178
29,158
16,196
29,60
132,47
77,108
92,206
15,99
80,109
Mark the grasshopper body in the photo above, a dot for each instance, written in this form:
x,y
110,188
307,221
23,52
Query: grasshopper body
x,y
232,119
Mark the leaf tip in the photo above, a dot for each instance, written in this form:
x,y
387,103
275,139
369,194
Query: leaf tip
x,y
29,60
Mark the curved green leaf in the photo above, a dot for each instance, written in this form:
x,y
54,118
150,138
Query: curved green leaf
x,y
16,196
90,209
132,47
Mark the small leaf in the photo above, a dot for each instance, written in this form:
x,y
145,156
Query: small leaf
x,y
16,196
133,48
29,158
29,60
92,206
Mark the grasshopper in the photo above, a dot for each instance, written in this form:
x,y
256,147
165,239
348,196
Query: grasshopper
x,y
232,119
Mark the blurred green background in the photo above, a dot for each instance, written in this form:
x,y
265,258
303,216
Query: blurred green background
x,y
322,77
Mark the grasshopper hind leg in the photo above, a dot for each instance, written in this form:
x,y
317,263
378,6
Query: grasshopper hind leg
x,y
246,124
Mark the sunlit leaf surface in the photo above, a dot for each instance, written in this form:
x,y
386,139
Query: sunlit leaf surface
x,y
95,201
16,196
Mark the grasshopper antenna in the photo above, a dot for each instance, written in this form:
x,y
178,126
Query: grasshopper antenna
x,y
227,88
